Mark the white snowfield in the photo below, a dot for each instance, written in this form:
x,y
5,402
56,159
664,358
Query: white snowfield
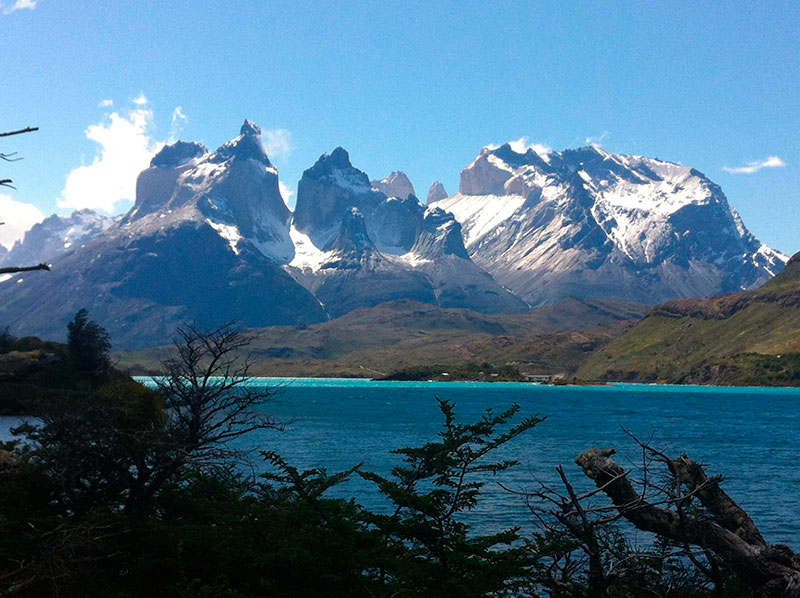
x,y
307,256
479,214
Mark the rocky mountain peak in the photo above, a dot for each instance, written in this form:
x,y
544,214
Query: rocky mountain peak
x,y
250,128
352,234
326,190
247,146
56,235
335,169
593,223
436,192
439,234
397,184
178,154
514,158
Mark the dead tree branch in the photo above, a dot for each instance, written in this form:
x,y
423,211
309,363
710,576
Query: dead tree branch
x,y
19,131
721,527
15,269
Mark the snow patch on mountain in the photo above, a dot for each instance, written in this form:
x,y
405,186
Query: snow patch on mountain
x,y
228,232
307,256
480,214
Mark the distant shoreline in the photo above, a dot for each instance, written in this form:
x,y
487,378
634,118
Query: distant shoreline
x,y
322,382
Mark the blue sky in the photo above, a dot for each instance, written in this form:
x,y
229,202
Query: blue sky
x,y
412,86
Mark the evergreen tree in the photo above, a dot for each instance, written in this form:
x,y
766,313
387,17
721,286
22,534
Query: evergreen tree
x,y
89,345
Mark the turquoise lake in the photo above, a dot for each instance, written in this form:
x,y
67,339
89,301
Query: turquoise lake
x,y
749,435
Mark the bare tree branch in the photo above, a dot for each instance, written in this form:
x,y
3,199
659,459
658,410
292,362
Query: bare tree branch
x,y
14,269
19,131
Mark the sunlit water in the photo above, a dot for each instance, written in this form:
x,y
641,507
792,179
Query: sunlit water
x,y
747,434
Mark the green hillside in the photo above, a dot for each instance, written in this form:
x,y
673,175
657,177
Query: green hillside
x,y
750,338
403,334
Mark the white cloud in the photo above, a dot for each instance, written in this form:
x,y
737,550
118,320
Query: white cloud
x,y
125,149
755,166
140,100
286,193
277,143
17,218
106,103
598,140
19,5
522,145
179,120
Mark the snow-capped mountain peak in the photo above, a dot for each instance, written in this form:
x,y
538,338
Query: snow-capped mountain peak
x,y
246,146
531,221
56,235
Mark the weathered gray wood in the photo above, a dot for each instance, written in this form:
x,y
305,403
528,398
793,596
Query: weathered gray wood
x,y
725,529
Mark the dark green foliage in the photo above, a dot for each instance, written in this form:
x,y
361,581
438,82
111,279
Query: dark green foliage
x,y
469,371
7,340
433,552
88,344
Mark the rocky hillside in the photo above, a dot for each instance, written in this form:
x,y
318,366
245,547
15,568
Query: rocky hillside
x,y
750,338
374,341
590,223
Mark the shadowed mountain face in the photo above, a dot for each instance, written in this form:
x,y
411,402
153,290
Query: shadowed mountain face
x,y
590,223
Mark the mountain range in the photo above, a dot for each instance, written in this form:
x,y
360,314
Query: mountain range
x,y
210,239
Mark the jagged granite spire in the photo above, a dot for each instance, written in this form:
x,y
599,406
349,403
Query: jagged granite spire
x,y
246,146
352,237
397,184
328,189
436,192
236,188
439,234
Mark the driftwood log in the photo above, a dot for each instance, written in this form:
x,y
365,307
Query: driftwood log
x,y
721,527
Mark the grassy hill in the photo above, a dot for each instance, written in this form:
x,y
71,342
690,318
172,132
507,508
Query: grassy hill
x,y
404,334
749,338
